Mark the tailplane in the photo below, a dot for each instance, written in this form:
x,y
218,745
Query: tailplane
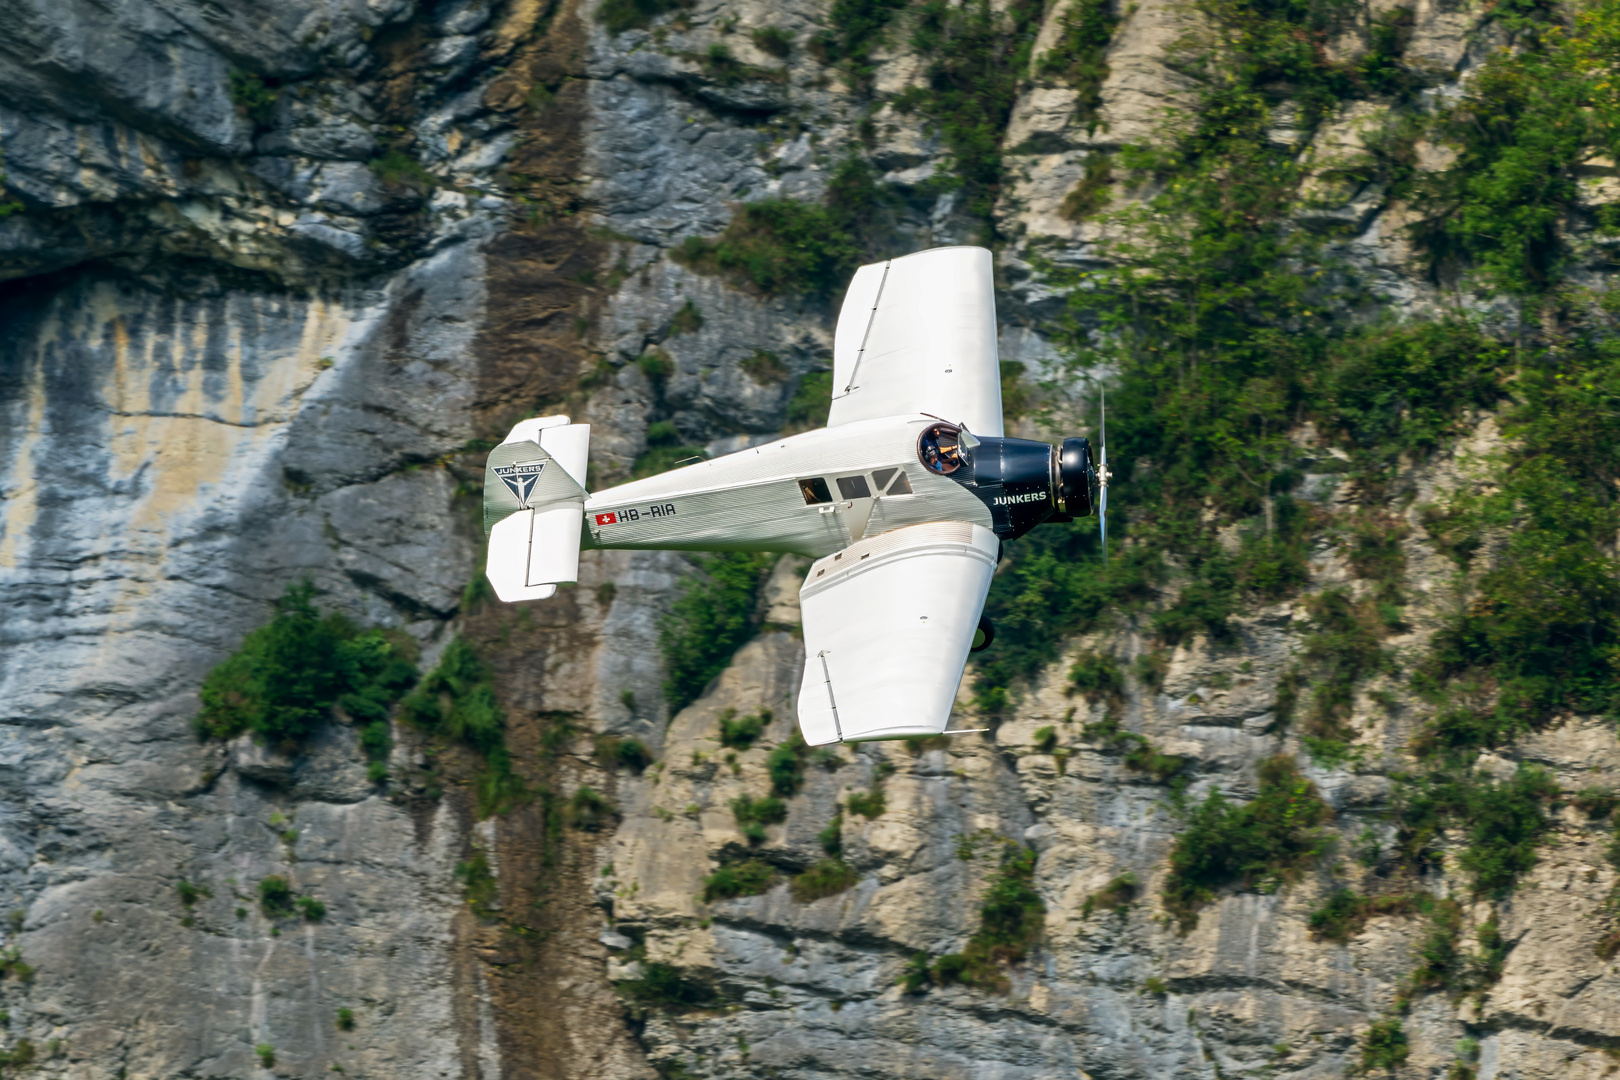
x,y
534,507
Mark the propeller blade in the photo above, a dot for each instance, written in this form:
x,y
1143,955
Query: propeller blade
x,y
1102,481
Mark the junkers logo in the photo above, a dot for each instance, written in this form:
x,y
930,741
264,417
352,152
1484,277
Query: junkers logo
x,y
520,478
1009,500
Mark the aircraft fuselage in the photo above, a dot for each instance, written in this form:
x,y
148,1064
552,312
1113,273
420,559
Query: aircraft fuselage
x,y
821,491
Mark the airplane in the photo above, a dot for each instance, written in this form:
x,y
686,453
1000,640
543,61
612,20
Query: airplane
x,y
904,500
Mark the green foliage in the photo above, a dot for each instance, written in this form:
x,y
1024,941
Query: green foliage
x,y
831,838
13,965
752,815
621,752
589,810
1257,845
665,450
478,885
712,617
1079,58
869,804
773,40
663,984
781,246
189,894
1116,894
1140,753
1385,1046
1011,920
1345,913
1504,821
276,897
749,878
1153,986
977,55
827,877
345,1018
21,1054
1520,128
457,702
1344,647
617,16
310,908
267,1055
786,764
1099,677
688,320
253,98
1045,739
855,29
765,368
810,404
397,167
740,733
1596,802
915,976
289,673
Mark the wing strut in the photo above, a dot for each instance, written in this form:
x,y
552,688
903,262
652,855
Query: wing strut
x,y
870,319
838,727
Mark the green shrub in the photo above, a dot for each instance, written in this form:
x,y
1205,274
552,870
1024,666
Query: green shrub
x,y
1256,845
1385,1046
617,16
189,894
12,964
811,402
869,804
1011,920
663,984
1596,802
310,908
478,884
1343,648
688,320
1140,753
395,166
267,1055
619,752
276,897
712,617
773,40
589,810
457,701
786,764
1078,57
764,368
831,838
753,815
1116,894
749,878
740,733
828,877
345,1019
1098,677
1504,821
1153,986
1045,739
289,674
781,246
253,98
1345,914
915,976
855,29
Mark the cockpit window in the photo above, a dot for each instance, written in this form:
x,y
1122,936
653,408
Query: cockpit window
x,y
854,487
815,491
939,450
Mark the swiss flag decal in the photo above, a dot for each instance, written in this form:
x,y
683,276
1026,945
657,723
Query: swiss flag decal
x,y
607,519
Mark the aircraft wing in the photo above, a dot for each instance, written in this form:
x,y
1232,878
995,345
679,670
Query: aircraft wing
x,y
888,623
918,335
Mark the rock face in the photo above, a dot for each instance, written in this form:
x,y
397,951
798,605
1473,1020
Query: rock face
x,y
276,272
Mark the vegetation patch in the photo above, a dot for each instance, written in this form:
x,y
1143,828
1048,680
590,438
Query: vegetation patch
x,y
712,616
752,815
617,16
1256,845
828,877
457,702
1079,58
786,764
748,878
1502,821
811,402
868,804
1011,920
478,885
666,449
739,733
786,247
1117,894
1140,753
291,672
1345,913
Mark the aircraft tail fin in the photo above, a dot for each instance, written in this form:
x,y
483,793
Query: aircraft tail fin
x,y
534,507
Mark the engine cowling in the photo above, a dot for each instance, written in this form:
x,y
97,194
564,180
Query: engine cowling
x,y
1077,478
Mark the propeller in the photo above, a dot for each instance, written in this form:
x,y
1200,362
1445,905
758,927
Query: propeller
x,y
1102,481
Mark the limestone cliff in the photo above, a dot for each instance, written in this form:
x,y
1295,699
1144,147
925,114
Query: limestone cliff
x,y
275,275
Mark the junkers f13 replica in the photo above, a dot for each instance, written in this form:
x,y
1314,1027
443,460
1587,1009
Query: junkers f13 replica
x,y
903,500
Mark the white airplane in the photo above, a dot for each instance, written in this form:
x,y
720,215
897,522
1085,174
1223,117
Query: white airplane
x,y
903,500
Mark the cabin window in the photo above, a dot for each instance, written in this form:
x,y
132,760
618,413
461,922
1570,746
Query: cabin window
x,y
901,485
854,487
815,491
882,476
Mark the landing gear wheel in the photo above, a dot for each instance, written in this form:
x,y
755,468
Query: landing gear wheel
x,y
984,635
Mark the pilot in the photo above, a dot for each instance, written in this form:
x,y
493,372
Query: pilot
x,y
940,451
